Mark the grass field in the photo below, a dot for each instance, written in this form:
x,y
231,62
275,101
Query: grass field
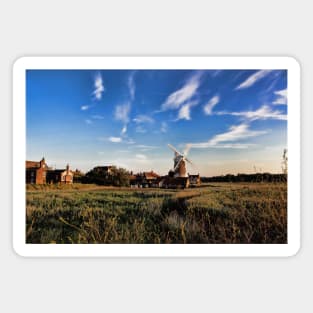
x,y
214,213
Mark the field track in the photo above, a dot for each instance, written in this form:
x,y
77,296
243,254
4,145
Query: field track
x,y
212,213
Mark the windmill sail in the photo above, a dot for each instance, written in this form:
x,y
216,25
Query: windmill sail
x,y
180,161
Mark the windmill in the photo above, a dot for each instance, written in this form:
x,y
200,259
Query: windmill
x,y
180,161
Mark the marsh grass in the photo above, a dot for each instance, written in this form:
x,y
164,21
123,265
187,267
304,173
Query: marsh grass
x,y
217,213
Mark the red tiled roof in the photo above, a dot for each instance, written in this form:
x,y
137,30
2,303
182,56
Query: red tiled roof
x,y
151,174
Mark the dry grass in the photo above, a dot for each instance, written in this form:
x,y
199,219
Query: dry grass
x,y
216,213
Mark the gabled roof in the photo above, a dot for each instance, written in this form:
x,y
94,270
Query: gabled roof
x,y
151,175
32,164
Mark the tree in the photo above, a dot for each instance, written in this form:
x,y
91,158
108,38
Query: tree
x,y
120,177
78,176
101,176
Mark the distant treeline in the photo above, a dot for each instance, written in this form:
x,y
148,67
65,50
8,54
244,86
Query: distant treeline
x,y
117,177
258,177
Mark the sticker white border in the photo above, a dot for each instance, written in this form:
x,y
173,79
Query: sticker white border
x,y
155,250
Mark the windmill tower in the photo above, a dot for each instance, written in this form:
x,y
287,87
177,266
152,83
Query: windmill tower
x,y
180,162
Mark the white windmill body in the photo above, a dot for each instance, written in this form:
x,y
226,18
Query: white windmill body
x,y
180,162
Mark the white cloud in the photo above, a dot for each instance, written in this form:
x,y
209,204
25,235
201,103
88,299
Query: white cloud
x,y
115,139
235,133
281,97
124,140
85,107
282,93
98,87
143,119
164,127
131,85
251,80
263,113
124,130
141,157
227,139
145,147
184,112
211,104
122,112
88,122
178,97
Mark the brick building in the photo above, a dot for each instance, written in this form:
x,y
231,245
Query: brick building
x,y
36,172
40,173
145,179
63,176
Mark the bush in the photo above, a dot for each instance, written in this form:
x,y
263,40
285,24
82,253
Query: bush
x,y
115,177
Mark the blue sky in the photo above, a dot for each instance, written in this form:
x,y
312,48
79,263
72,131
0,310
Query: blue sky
x,y
232,121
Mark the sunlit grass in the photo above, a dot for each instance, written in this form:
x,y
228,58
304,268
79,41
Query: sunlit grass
x,y
216,213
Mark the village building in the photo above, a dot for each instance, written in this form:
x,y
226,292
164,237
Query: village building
x,y
194,180
145,180
63,176
175,182
36,172
40,173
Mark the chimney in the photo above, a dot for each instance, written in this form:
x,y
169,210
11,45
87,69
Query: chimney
x,y
42,162
67,168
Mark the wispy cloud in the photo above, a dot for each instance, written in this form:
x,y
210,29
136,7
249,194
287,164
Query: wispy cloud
x,y
122,112
143,119
124,130
211,104
115,139
140,129
130,141
229,139
235,133
252,79
141,156
272,81
215,73
131,85
263,113
144,148
97,117
205,145
184,111
164,127
88,121
185,93
85,107
98,87
281,97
